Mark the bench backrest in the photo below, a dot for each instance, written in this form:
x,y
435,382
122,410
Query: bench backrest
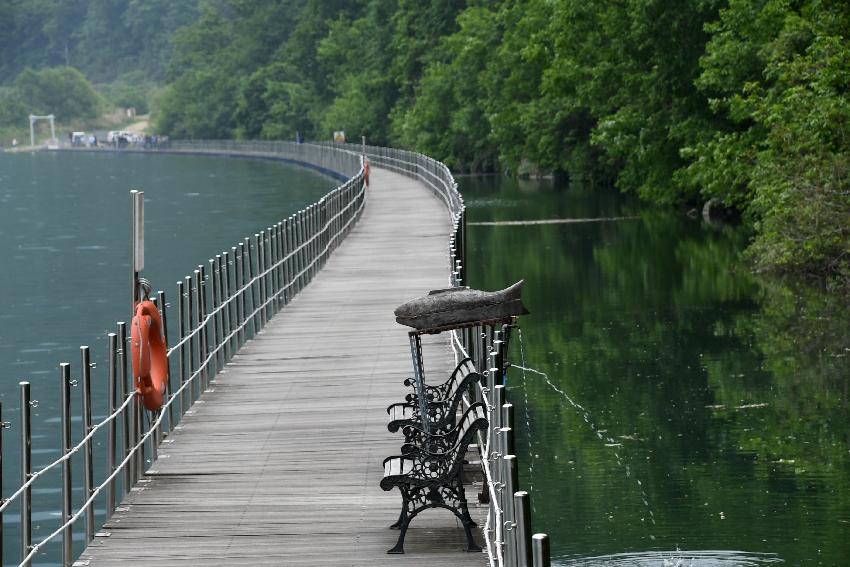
x,y
458,377
473,419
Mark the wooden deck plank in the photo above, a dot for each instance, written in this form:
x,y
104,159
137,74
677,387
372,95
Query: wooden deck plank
x,y
280,461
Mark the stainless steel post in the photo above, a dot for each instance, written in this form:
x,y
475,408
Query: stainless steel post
x,y
296,252
65,397
240,299
281,269
508,519
111,429
200,314
137,242
268,258
181,359
155,439
498,402
508,416
261,279
314,234
245,248
284,249
286,260
249,260
494,446
207,311
522,513
308,232
194,343
499,358
540,550
302,254
204,305
219,305
224,286
88,470
272,253
139,433
215,265
169,389
26,471
127,420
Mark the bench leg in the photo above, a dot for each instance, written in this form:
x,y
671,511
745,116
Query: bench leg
x,y
403,522
467,527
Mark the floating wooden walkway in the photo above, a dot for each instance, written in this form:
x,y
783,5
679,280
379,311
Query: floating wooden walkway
x,y
279,461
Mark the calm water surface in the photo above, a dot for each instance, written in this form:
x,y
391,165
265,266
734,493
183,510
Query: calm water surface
x,y
64,270
691,415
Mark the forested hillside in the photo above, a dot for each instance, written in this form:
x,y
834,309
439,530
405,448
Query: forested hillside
x,y
102,38
745,101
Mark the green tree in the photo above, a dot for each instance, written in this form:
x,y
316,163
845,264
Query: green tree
x,y
448,117
62,91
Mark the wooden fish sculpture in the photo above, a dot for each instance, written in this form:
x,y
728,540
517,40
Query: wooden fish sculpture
x,y
459,305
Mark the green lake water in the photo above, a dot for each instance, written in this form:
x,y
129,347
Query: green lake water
x,y
64,275
691,414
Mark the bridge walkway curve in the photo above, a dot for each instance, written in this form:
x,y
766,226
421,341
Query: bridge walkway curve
x,y
279,461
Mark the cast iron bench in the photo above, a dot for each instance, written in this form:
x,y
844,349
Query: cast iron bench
x,y
433,478
442,402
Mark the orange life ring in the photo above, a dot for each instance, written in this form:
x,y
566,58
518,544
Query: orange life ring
x,y
148,353
366,171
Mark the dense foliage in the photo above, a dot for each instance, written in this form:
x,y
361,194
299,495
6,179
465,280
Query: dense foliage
x,y
740,100
743,100
102,38
61,91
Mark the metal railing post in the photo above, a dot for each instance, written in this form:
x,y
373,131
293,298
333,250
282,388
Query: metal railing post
x,y
217,323
287,259
499,357
522,512
206,299
301,253
245,247
273,276
26,471
111,429
508,417
498,401
127,419
169,390
240,300
490,392
65,431
268,258
259,252
181,352
201,334
230,342
510,468
281,254
156,438
88,470
194,343
540,550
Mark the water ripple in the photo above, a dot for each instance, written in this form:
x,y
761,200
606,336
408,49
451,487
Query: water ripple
x,y
678,558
